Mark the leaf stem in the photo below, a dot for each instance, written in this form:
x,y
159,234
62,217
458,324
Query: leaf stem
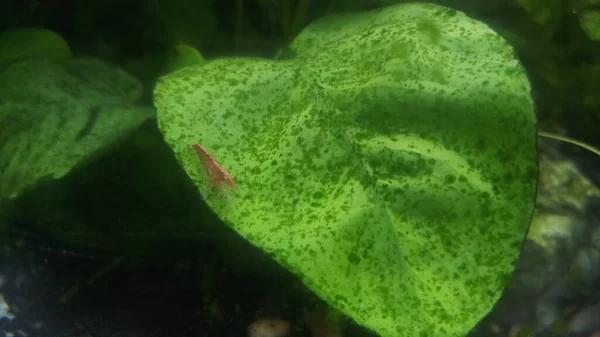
x,y
570,141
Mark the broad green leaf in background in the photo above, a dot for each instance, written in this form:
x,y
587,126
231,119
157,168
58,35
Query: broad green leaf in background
x,y
28,43
589,20
588,13
55,114
391,165
183,56
546,13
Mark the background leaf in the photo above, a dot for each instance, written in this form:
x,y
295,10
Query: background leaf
x,y
590,23
25,43
53,115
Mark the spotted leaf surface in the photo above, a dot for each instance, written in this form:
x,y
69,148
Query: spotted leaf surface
x,y
391,165
53,115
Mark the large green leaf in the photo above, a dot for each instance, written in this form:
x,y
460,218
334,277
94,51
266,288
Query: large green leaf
x,y
54,114
391,165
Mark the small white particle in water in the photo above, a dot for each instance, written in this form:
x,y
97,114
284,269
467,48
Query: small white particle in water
x,y
4,307
269,327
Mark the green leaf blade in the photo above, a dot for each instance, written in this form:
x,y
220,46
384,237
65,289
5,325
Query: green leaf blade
x,y
55,115
391,165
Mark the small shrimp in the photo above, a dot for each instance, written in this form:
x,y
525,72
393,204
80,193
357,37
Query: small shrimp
x,y
217,173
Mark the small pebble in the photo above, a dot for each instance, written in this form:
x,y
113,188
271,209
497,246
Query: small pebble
x,y
269,327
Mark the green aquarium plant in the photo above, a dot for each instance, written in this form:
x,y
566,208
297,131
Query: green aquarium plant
x,y
183,56
391,164
589,21
32,43
588,15
57,111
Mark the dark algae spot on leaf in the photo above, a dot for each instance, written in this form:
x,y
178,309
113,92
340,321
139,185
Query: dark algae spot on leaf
x,y
449,178
92,117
